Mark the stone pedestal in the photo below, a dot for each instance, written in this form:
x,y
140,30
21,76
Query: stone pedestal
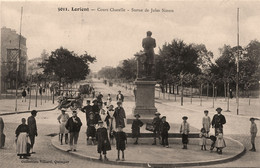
x,y
144,102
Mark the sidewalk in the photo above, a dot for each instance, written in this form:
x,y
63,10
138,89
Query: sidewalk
x,y
245,109
147,155
8,105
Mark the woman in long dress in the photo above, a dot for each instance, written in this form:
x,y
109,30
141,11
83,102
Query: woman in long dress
x,y
22,141
63,118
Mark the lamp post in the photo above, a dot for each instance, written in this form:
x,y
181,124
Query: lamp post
x,y
238,53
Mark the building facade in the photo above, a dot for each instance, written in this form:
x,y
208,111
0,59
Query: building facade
x,y
10,59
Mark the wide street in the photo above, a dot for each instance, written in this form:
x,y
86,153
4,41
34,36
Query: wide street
x,y
237,127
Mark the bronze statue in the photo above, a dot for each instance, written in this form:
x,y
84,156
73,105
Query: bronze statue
x,y
149,44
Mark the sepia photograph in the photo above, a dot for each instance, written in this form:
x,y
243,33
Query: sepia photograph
x,y
123,84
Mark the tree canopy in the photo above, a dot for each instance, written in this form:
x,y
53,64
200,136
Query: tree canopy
x,y
67,65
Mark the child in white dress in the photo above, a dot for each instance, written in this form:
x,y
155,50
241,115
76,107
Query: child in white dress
x,y
203,136
220,142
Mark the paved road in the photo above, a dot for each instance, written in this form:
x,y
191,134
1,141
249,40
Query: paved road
x,y
236,127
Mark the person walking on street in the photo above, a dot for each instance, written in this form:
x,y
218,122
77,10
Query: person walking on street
x,y
218,121
253,132
22,140
184,130
23,95
2,135
62,119
32,129
73,125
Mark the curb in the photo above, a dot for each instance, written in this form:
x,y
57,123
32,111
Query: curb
x,y
176,164
20,112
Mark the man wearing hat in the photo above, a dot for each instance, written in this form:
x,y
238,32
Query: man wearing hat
x,y
102,139
156,124
119,115
96,110
62,119
73,125
218,121
87,109
165,127
253,132
120,97
32,128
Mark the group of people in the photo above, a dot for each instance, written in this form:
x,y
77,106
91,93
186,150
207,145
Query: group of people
x,y
25,136
104,124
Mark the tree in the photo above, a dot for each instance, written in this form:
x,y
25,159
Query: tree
x,y
205,56
179,57
129,69
67,65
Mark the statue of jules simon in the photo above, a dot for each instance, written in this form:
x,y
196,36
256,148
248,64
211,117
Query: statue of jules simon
x,y
149,44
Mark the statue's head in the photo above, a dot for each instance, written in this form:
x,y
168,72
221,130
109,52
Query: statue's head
x,y
149,33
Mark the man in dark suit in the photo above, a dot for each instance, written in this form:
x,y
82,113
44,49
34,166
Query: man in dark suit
x,y
32,128
218,121
120,97
149,44
73,125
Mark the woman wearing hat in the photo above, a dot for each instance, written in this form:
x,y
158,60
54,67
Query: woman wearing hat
x,y
218,121
62,119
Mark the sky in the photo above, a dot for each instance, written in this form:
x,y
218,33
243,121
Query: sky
x,y
114,36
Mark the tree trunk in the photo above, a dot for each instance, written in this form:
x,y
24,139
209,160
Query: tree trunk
x,y
201,89
225,91
181,93
213,93
228,96
249,97
207,91
191,95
